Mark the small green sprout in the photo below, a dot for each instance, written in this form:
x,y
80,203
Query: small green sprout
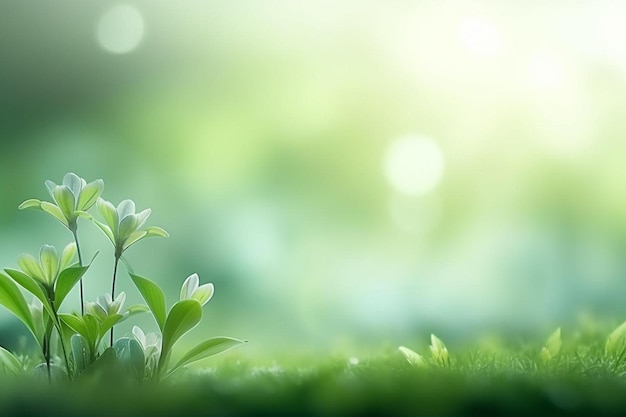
x,y
413,357
552,346
616,342
439,351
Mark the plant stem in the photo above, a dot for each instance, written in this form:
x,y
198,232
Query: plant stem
x,y
80,262
117,260
57,324
46,354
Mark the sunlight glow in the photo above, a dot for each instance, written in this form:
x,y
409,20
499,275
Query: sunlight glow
x,y
120,30
546,72
414,165
480,37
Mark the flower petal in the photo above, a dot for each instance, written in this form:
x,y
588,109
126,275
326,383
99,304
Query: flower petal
x,y
189,286
142,217
128,225
116,305
107,210
65,200
125,208
50,185
140,336
90,194
204,293
73,182
49,262
67,256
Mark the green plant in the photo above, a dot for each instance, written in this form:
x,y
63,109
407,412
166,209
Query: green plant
x,y
79,336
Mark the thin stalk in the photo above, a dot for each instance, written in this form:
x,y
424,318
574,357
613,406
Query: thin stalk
x,y
117,260
46,354
57,323
80,262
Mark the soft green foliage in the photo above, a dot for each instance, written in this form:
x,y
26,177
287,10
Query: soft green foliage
x,y
552,347
616,342
181,318
51,276
413,357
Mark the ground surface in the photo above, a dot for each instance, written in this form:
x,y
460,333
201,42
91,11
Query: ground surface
x,y
582,382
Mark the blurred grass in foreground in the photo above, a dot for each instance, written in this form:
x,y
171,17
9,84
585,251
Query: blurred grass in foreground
x,y
582,379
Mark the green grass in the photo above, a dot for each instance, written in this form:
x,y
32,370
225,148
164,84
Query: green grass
x,y
581,380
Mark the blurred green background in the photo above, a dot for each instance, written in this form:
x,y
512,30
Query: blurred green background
x,y
345,173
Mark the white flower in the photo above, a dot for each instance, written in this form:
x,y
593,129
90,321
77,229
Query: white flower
x,y
192,289
105,306
150,343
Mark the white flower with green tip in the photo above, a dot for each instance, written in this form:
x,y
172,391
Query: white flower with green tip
x,y
46,270
106,306
71,199
192,289
122,225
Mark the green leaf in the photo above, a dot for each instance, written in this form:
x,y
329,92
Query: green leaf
x,y
412,357
105,366
86,326
13,300
156,231
49,259
134,237
553,344
67,280
616,341
90,194
55,212
32,287
107,210
183,316
154,297
30,203
81,352
65,200
75,323
108,322
130,354
209,347
31,267
9,363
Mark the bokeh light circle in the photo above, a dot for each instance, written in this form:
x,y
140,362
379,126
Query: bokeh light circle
x,y
414,164
120,29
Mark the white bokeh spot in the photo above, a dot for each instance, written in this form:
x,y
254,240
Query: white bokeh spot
x,y
414,164
120,29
